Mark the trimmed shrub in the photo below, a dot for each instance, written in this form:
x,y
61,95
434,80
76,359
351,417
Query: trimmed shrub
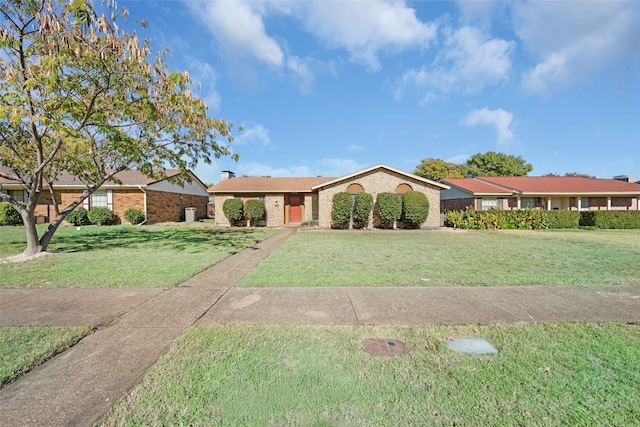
x,y
78,216
496,219
254,210
102,216
234,210
341,210
587,219
362,208
134,216
613,219
415,209
467,219
9,215
563,219
387,210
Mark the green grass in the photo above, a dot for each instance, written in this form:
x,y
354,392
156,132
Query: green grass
x,y
471,258
24,347
545,374
122,256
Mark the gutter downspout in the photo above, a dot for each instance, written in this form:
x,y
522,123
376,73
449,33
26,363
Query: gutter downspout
x,y
145,205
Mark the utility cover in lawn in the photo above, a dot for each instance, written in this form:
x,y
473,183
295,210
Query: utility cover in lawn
x,y
470,345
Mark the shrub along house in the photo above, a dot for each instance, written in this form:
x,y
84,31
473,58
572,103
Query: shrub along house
x,y
309,199
160,200
540,192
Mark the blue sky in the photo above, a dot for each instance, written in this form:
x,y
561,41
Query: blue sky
x,y
331,87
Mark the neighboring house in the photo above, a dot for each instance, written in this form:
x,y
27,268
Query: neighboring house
x,y
299,200
160,200
540,192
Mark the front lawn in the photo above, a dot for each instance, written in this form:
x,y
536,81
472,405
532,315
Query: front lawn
x,y
452,258
25,347
239,375
160,255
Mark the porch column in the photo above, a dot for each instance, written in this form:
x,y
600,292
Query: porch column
x,y
579,203
548,203
609,203
518,198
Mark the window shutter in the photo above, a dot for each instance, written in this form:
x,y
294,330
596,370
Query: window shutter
x,y
110,199
85,203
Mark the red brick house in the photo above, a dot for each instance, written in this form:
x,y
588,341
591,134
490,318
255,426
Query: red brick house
x,y
310,199
160,200
539,192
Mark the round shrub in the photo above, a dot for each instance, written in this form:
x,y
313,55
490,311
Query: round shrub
x,y
362,208
78,216
415,208
387,210
102,216
233,210
254,210
341,210
9,215
134,216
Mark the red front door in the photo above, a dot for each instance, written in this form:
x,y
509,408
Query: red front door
x,y
295,210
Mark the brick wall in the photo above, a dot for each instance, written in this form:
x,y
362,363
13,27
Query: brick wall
x,y
456,204
376,182
166,207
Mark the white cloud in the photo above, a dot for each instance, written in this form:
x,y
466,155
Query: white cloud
x,y
577,41
338,167
203,73
355,147
500,119
258,169
238,29
303,74
478,12
459,159
257,135
364,28
469,61
322,167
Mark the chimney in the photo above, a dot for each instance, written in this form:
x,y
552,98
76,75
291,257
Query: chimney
x,y
624,178
225,175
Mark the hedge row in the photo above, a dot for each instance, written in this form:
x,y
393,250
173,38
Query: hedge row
x,y
529,219
610,219
95,216
408,210
495,219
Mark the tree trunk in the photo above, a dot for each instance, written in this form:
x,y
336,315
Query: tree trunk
x,y
51,229
33,244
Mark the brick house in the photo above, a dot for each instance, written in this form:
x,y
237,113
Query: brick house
x,y
160,200
540,192
306,199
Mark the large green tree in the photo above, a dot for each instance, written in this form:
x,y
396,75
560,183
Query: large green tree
x,y
81,96
437,169
497,164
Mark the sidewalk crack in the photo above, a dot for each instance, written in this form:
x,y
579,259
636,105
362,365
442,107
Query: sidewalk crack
x,y
355,314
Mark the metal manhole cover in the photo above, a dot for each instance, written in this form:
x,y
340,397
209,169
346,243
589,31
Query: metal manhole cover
x,y
384,347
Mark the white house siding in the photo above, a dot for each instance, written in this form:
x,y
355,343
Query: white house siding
x,y
193,188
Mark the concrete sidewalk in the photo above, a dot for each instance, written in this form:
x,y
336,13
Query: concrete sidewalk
x,y
420,306
136,327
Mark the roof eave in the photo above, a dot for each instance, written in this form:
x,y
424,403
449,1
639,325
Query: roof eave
x,y
382,166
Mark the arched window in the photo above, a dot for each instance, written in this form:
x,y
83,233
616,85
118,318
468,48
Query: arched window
x,y
355,188
403,188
